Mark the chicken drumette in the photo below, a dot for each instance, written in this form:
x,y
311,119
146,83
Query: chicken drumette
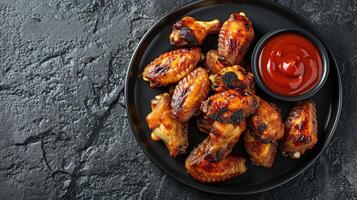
x,y
171,66
190,32
235,37
166,127
189,93
301,130
233,77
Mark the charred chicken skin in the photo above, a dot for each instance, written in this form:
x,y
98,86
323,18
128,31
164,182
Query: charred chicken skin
x,y
204,124
166,127
260,153
209,172
171,66
235,37
189,93
233,77
266,123
213,63
301,130
223,138
266,127
231,106
191,32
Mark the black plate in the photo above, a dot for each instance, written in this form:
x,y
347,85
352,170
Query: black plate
x,y
266,16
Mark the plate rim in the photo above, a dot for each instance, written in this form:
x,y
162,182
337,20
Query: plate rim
x,y
331,132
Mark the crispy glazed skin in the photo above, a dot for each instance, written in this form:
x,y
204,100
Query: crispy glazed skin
x,y
208,172
266,123
265,128
212,62
261,154
189,93
235,37
231,106
233,77
301,130
171,66
204,124
165,127
223,138
190,32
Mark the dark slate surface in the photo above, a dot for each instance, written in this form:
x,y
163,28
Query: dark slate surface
x,y
63,127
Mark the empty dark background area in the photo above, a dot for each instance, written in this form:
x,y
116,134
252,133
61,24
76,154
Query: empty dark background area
x,y
64,132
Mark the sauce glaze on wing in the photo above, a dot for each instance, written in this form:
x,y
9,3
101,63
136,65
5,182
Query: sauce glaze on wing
x,y
235,37
231,106
301,130
223,138
172,66
260,153
204,124
213,63
189,93
205,171
266,123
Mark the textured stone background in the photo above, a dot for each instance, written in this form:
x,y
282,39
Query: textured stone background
x,y
63,126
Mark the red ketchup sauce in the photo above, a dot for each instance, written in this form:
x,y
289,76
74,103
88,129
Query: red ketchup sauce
x,y
290,64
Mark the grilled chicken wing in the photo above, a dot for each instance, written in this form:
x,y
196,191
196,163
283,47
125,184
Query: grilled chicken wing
x,y
266,127
223,138
301,130
208,172
231,106
189,93
190,32
171,66
212,62
235,37
166,127
260,153
266,123
234,77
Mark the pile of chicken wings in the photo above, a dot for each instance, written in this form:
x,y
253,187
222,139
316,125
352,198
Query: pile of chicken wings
x,y
221,92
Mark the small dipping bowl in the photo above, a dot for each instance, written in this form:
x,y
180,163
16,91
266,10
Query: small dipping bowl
x,y
290,64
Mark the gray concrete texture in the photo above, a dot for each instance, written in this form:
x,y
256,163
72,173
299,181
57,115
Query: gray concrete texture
x,y
64,132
